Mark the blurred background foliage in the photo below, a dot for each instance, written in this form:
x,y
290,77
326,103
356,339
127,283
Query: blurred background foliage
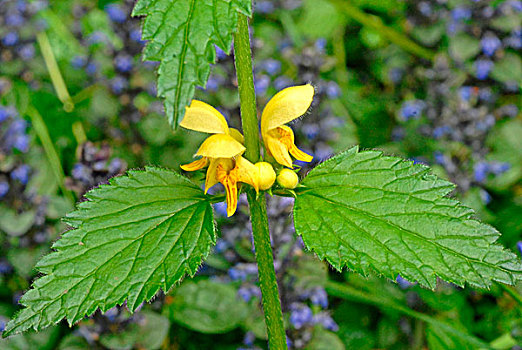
x,y
434,81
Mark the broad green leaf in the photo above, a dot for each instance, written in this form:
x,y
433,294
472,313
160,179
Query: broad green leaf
x,y
142,232
182,34
207,307
373,213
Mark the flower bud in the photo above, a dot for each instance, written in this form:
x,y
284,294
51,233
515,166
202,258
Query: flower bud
x,y
267,175
287,179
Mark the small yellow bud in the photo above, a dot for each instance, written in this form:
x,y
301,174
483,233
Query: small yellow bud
x,y
267,175
287,178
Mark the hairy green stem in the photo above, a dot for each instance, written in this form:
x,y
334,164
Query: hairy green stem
x,y
390,34
258,216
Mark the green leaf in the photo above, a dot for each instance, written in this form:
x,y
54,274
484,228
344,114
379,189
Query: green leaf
x,y
463,47
182,34
143,232
207,307
369,212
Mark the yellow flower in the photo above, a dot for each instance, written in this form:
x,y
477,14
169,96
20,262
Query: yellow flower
x,y
221,152
285,106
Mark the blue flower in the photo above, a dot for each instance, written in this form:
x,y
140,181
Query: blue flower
x,y
264,7
119,84
26,52
14,20
461,13
300,315
333,90
271,66
261,84
116,13
319,297
485,196
123,63
465,92
82,173
519,247
490,43
412,109
10,39
21,174
480,171
4,188
135,35
78,61
482,68
325,320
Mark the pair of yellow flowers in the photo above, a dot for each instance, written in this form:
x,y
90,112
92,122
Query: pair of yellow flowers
x,y
222,152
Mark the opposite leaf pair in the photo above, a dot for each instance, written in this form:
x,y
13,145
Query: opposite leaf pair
x,y
222,152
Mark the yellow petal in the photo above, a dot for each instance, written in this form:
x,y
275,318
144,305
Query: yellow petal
x,y
200,116
237,135
195,165
229,179
220,146
248,173
286,105
212,177
231,190
278,150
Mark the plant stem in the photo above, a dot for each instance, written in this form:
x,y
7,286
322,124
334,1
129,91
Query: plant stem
x,y
54,71
347,292
54,160
258,216
390,34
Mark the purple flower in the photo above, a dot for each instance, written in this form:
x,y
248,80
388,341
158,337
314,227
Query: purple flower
x,y
319,297
460,13
282,82
78,61
221,55
465,92
14,20
82,173
10,39
264,7
333,90
26,52
300,315
116,13
482,68
119,84
271,66
261,84
490,43
4,188
480,171
519,247
412,109
498,168
123,63
320,45
21,174
135,35
403,284
485,196
310,130
325,320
